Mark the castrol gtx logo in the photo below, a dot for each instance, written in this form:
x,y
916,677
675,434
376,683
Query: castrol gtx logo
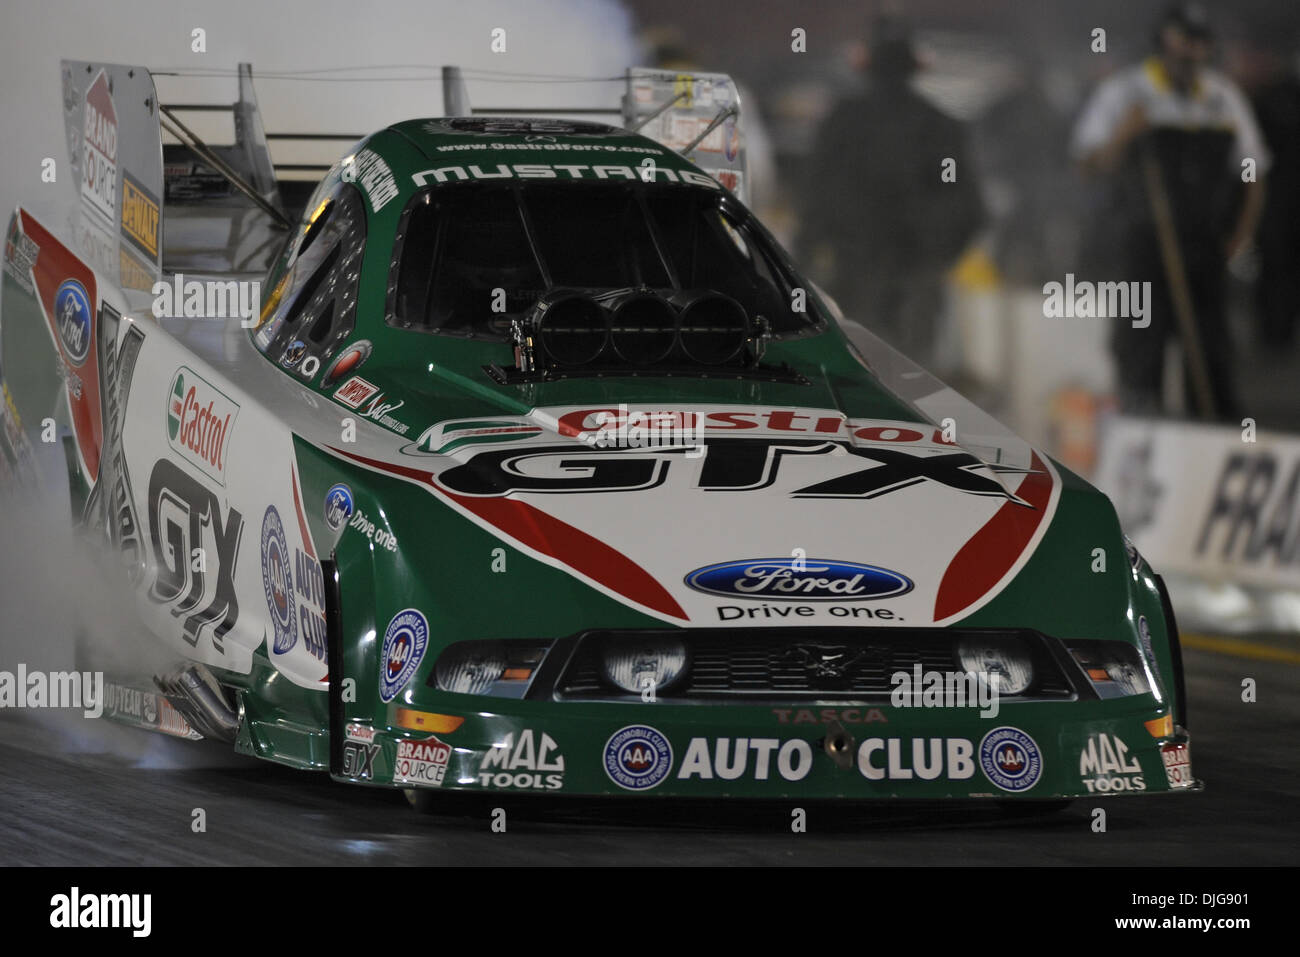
x,y
802,579
200,418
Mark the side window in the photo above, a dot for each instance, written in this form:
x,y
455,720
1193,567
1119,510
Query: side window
x,y
317,310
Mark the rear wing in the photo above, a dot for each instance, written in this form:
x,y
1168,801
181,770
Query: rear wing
x,y
110,116
694,114
154,197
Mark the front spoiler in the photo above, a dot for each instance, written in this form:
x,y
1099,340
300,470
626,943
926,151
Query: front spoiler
x,y
1028,752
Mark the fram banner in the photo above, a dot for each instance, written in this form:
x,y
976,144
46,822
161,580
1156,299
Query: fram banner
x,y
1214,502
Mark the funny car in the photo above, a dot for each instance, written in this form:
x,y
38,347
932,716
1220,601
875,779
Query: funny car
x,y
513,454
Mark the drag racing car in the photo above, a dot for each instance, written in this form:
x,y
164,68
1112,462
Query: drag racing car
x,y
513,454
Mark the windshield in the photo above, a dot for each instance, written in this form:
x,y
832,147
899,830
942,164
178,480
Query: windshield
x,y
473,256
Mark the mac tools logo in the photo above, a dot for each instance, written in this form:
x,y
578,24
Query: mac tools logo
x,y
798,579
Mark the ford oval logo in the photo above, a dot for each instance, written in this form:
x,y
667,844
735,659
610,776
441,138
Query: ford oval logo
x,y
72,317
795,579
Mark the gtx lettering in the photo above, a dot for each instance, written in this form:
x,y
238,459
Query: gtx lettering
x,y
359,760
181,511
729,465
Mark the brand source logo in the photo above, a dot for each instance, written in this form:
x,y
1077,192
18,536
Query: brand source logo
x,y
199,419
421,762
1177,757
99,149
796,579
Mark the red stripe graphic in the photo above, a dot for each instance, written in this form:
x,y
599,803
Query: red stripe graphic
x,y
544,533
989,554
302,522
54,264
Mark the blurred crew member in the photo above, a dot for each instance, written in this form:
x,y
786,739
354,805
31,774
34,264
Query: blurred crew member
x,y
876,216
1170,126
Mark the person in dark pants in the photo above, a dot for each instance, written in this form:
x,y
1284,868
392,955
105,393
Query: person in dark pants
x,y
1171,134
879,221
1276,99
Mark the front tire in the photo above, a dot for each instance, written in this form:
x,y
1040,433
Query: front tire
x,y
422,800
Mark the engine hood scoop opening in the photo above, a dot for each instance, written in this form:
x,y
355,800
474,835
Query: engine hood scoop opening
x,y
638,331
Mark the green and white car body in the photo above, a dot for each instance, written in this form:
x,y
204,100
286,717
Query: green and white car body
x,y
420,533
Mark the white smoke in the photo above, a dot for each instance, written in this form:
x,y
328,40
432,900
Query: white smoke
x,y
572,38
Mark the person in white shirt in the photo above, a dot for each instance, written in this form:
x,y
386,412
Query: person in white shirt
x,y
1194,130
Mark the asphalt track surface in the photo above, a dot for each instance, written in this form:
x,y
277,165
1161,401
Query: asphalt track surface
x,y
126,797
